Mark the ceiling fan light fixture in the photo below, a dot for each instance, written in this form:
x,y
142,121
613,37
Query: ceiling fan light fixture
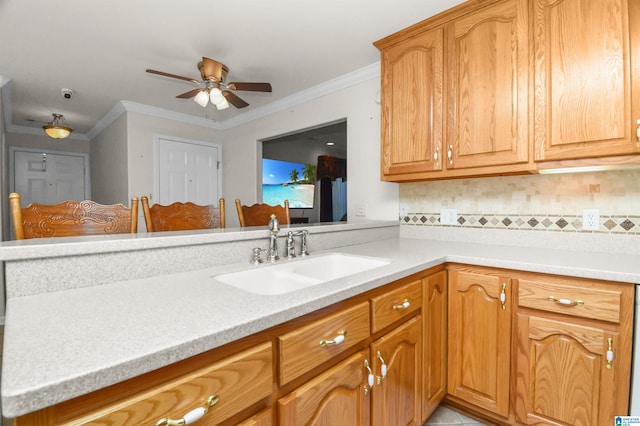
x,y
216,96
223,104
56,130
202,98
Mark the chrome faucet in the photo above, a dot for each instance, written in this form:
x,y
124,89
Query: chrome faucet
x,y
291,246
274,228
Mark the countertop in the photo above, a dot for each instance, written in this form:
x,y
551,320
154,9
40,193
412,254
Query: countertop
x,y
63,344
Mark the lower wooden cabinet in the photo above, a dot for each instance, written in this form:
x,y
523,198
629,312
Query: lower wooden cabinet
x,y
335,397
434,332
573,367
396,358
480,338
536,349
511,347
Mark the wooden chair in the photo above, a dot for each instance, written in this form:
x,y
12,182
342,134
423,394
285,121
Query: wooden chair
x,y
260,214
182,216
71,218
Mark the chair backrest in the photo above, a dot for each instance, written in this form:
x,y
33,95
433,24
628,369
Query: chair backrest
x,y
71,218
260,214
182,216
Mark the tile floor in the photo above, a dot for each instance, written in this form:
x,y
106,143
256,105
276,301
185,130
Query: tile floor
x,y
446,416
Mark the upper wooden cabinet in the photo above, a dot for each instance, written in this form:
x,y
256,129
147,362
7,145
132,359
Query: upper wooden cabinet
x,y
487,87
587,82
412,123
496,87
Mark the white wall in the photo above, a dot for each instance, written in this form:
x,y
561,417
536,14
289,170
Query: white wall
x,y
109,165
141,130
357,104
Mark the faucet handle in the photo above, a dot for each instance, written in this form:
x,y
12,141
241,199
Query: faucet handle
x,y
256,259
273,224
303,243
291,245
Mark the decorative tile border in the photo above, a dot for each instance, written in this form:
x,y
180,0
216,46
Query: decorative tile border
x,y
628,225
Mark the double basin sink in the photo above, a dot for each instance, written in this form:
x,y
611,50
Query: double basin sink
x,y
291,275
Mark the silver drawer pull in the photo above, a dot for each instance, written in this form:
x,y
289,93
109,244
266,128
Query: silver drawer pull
x,y
566,302
336,340
193,415
403,305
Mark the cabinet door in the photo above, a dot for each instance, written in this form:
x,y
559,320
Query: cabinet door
x,y
487,86
412,106
336,397
479,339
434,362
586,78
563,374
396,396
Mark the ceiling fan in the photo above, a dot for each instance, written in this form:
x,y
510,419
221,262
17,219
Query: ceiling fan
x,y
213,86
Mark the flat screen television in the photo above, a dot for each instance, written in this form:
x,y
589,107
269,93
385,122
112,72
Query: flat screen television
x,y
284,180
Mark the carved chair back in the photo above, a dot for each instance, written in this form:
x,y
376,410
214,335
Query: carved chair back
x,y
260,214
71,218
182,216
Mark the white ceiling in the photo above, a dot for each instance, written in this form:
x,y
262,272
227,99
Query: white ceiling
x,y
100,50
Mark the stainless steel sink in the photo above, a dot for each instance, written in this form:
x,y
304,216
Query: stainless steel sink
x,y
292,275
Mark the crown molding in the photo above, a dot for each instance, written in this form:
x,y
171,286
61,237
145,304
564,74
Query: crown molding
x,y
350,79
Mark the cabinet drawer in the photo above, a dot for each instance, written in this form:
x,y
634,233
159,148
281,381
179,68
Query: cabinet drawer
x,y
238,381
391,306
580,300
303,349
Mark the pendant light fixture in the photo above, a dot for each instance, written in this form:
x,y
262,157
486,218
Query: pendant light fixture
x,y
56,130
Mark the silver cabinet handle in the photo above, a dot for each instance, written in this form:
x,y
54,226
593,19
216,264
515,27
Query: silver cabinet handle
x,y
192,416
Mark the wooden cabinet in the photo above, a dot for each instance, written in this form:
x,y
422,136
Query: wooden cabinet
x,y
434,330
308,346
335,397
396,358
455,95
480,338
344,394
574,350
587,78
264,418
487,71
511,87
412,106
216,393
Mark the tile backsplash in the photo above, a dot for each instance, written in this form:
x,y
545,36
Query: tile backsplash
x,y
532,202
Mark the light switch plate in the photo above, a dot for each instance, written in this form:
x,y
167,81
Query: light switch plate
x,y
403,210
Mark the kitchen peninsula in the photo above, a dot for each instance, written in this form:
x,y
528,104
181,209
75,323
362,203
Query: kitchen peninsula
x,y
88,313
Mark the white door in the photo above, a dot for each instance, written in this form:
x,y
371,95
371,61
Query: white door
x,y
48,177
187,171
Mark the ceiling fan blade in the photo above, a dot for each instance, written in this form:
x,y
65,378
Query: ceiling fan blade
x,y
251,87
211,70
189,94
166,74
234,100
